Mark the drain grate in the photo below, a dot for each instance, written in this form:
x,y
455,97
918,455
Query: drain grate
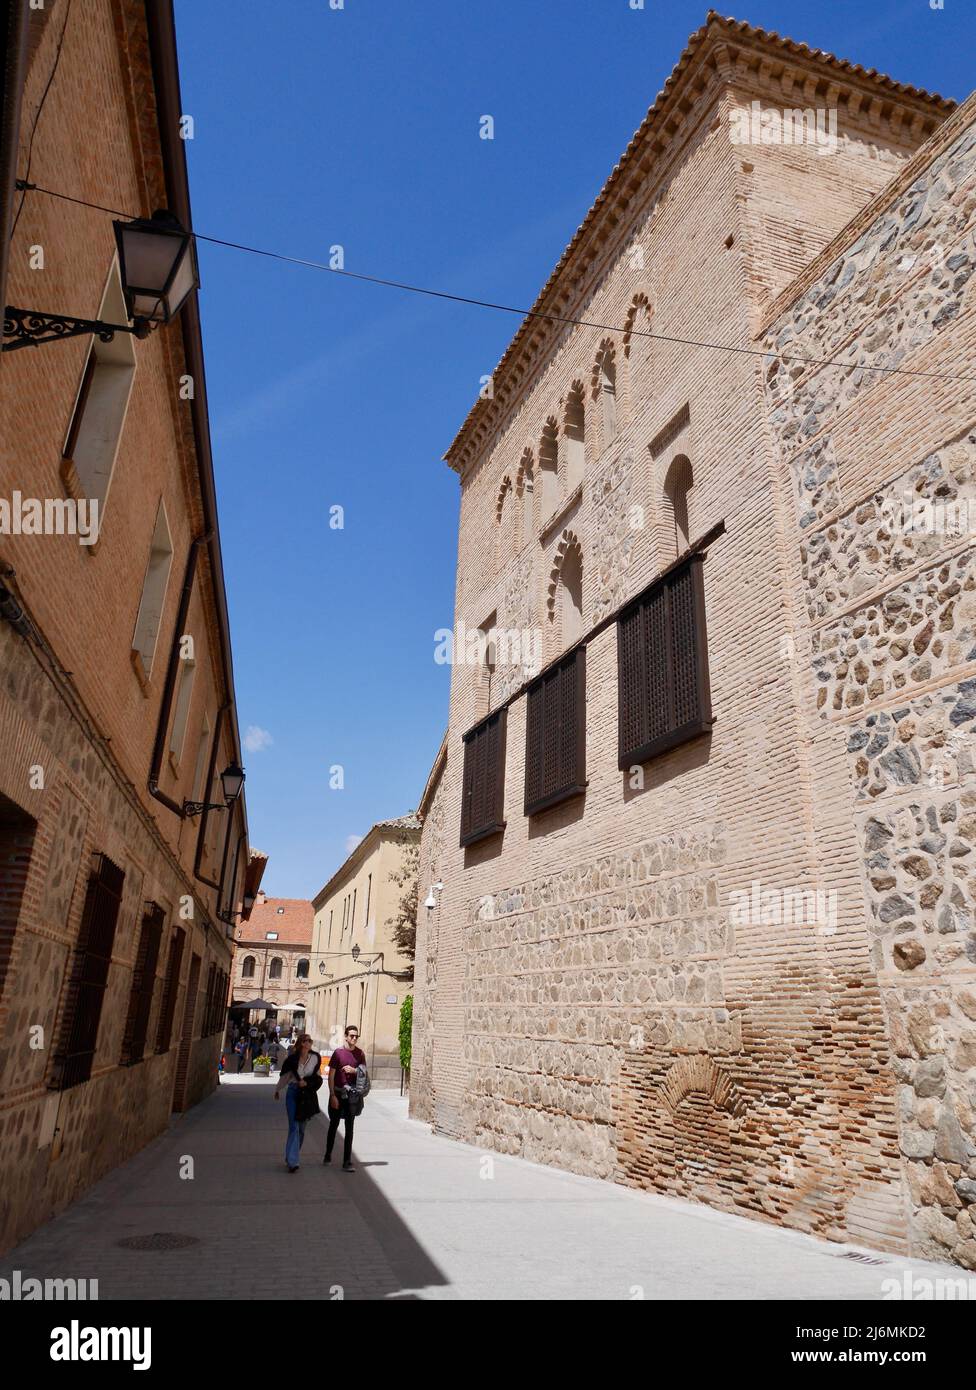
x,y
159,1240
861,1259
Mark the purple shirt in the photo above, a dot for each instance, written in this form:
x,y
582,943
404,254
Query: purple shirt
x,y
344,1057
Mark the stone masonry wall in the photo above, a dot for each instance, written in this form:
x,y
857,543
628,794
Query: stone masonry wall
x,y
883,471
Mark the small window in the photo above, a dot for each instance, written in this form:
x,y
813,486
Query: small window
x,y
171,989
153,593
89,975
555,734
483,780
301,970
280,911
143,984
662,666
182,712
271,936
95,432
247,970
274,971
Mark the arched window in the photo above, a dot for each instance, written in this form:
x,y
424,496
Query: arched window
x,y
574,432
604,389
549,467
565,601
247,970
505,522
677,491
302,970
274,971
525,489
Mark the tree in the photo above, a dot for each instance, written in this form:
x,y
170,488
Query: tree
x,y
404,920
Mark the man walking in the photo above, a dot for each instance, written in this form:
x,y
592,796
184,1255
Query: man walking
x,y
342,1073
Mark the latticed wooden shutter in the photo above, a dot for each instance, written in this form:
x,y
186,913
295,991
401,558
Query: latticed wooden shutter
x,y
555,734
662,666
164,1030
483,780
143,981
89,974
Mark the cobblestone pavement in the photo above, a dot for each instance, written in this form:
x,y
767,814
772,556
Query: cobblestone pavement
x,y
422,1217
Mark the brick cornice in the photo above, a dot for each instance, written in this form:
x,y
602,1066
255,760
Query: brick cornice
x,y
720,53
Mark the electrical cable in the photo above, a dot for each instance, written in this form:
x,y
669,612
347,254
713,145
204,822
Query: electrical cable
x,y
512,309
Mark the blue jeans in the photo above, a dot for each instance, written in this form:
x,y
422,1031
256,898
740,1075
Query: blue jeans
x,y
296,1129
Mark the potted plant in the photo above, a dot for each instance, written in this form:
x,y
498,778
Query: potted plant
x,y
262,1066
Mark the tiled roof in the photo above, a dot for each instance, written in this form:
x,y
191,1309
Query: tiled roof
x,y
293,923
717,25
411,821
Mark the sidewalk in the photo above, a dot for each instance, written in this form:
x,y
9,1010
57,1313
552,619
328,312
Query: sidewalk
x,y
416,1220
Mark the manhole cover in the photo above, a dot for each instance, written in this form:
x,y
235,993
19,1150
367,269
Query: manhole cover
x,y
159,1240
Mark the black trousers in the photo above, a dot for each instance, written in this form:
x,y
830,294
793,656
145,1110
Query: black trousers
x,y
343,1113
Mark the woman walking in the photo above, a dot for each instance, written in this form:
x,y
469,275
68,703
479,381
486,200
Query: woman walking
x,y
301,1077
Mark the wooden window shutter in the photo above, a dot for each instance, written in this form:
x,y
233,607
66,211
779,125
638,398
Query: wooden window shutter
x,y
483,780
555,734
89,975
663,694
164,1030
143,982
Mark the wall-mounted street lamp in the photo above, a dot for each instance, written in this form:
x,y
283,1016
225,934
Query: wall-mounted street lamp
x,y
158,268
231,781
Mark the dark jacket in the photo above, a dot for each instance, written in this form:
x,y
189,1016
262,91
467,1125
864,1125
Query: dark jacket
x,y
306,1101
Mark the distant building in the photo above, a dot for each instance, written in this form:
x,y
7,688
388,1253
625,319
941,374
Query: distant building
x,y
272,958
359,975
706,815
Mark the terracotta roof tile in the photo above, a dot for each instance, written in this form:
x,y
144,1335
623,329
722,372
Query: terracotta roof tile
x,y
293,923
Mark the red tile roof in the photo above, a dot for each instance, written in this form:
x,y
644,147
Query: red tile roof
x,y
293,922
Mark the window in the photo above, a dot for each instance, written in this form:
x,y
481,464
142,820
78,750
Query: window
x,y
677,489
574,432
555,734
483,780
662,666
301,970
200,769
271,936
274,973
525,486
247,970
488,654
605,389
16,845
143,983
153,593
352,914
171,989
280,911
182,711
362,1004
331,911
93,437
89,974
369,892
549,468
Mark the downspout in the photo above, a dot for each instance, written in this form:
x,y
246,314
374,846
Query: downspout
x,y
166,707
14,76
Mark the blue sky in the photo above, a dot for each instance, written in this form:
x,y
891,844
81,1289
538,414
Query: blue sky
x,y
359,127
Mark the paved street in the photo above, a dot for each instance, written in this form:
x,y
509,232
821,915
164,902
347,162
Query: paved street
x,y
417,1220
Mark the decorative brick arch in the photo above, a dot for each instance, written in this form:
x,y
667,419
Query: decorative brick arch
x,y
503,491
641,302
606,355
568,541
699,1073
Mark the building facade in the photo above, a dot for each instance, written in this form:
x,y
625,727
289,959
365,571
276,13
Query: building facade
x,y
704,927
359,974
117,695
272,958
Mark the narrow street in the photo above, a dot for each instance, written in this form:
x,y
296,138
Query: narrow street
x,y
416,1220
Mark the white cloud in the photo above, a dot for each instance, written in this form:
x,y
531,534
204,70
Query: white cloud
x,y
256,738
352,841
